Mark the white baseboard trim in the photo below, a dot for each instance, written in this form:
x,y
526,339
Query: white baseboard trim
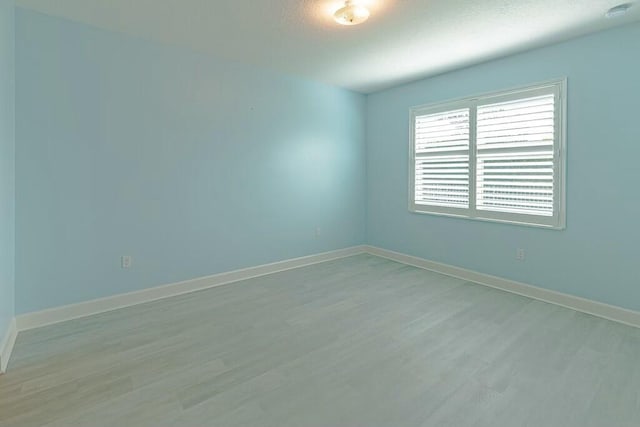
x,y
6,345
606,311
74,311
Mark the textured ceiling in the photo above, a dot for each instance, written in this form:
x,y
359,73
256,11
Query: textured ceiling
x,y
402,41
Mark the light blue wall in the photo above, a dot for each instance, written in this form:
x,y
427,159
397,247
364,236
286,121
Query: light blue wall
x,y
195,166
189,164
7,165
597,255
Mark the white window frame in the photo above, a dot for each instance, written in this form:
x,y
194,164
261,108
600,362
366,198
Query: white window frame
x,y
557,221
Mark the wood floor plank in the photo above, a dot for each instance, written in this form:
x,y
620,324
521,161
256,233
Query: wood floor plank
x,y
351,342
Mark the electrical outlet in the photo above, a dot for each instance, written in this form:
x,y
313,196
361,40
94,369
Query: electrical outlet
x,y
520,254
318,232
125,261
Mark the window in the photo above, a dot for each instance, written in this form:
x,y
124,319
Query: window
x,y
497,157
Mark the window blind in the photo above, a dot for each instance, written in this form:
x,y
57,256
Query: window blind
x,y
497,157
515,153
442,159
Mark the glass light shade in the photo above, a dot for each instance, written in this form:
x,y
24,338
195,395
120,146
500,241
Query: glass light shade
x,y
351,14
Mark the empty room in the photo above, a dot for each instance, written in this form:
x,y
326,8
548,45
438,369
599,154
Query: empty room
x,y
319,213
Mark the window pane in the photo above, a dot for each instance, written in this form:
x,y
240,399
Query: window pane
x,y
515,142
442,159
516,182
448,131
525,122
442,181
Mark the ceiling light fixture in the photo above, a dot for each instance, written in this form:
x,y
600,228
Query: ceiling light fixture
x,y
618,10
351,14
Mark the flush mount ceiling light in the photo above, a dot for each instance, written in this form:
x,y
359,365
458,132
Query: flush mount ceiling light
x,y
351,14
619,10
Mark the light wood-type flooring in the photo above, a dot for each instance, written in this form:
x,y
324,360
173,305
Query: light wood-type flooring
x,y
360,341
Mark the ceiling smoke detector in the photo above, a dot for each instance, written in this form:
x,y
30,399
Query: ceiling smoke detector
x,y
619,10
351,14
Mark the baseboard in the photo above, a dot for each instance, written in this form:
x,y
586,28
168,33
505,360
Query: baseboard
x,y
60,314
88,308
606,311
6,345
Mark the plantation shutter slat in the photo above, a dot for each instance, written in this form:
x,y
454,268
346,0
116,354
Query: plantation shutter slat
x,y
515,156
442,159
